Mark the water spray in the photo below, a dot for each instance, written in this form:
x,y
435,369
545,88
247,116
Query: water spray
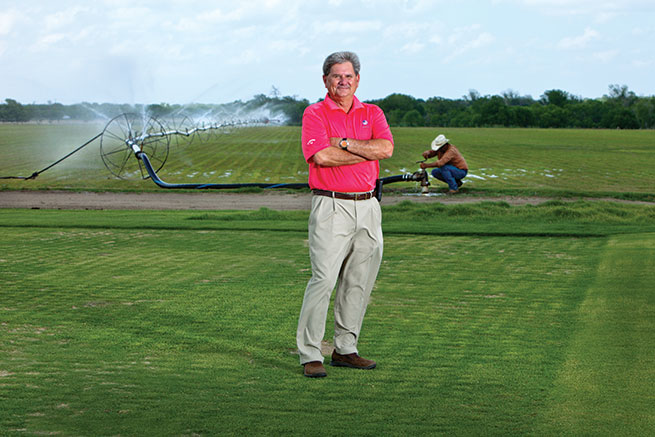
x,y
129,136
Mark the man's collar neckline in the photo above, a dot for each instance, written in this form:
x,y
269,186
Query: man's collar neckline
x,y
333,105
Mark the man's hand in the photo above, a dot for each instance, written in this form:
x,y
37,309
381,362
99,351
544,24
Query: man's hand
x,y
358,151
428,154
370,150
334,157
424,165
334,142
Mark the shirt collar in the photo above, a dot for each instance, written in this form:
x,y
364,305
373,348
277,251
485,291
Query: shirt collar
x,y
333,105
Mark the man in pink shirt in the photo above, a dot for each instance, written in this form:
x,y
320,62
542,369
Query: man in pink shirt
x,y
342,141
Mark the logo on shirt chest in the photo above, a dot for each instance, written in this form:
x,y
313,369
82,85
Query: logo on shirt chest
x,y
364,122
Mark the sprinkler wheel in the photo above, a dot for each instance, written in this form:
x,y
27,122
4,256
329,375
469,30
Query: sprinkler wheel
x,y
115,149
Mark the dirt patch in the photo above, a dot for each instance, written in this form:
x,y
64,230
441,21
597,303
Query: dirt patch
x,y
212,200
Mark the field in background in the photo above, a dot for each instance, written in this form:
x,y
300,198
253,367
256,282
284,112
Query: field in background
x,y
506,161
486,320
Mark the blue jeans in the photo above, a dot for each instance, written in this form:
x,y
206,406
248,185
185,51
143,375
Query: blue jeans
x,y
450,175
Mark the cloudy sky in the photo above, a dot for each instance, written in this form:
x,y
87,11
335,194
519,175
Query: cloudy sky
x,y
182,51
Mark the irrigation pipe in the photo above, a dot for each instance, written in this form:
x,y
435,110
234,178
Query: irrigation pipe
x,y
37,173
131,134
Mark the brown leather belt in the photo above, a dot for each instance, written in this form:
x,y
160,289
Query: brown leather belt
x,y
347,196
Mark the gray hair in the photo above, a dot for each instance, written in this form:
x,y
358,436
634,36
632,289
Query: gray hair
x,y
340,58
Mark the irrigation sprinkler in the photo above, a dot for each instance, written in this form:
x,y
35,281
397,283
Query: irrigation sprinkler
x,y
129,128
130,135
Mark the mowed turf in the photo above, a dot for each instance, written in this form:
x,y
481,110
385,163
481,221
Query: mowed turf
x,y
552,162
180,323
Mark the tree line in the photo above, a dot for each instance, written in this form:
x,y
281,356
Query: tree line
x,y
619,109
287,109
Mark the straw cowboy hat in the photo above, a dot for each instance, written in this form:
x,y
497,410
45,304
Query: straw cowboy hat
x,y
439,142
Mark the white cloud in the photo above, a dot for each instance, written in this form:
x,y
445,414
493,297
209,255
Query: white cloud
x,y
62,18
185,46
606,56
643,63
220,16
578,42
642,32
466,39
436,39
45,42
601,11
8,20
244,57
412,47
362,26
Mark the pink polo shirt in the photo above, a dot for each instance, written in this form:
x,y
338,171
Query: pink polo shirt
x,y
324,120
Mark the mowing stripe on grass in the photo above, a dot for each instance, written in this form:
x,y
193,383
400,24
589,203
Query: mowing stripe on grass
x,y
175,330
607,384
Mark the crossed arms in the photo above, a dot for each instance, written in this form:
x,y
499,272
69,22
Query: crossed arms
x,y
358,151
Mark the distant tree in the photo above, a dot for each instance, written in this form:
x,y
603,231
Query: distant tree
x,y
465,118
492,111
413,118
13,111
555,97
552,116
620,108
400,102
645,113
80,112
513,98
159,110
472,96
620,118
394,117
294,109
259,100
522,116
621,94
440,111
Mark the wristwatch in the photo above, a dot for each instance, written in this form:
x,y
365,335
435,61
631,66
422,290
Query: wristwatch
x,y
344,144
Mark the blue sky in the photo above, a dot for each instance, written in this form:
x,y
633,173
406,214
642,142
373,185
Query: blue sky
x,y
182,51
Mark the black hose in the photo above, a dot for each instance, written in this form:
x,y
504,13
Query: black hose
x,y
36,173
157,180
417,176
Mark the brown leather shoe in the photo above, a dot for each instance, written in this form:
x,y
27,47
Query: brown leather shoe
x,y
351,360
314,369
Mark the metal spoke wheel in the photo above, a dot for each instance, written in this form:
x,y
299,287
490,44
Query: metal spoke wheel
x,y
147,132
182,124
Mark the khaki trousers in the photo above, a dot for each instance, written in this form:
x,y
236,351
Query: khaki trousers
x,y
345,248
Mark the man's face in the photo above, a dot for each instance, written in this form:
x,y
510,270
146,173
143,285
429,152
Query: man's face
x,y
342,81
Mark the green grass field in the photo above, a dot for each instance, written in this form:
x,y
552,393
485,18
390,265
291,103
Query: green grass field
x,y
550,162
486,319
